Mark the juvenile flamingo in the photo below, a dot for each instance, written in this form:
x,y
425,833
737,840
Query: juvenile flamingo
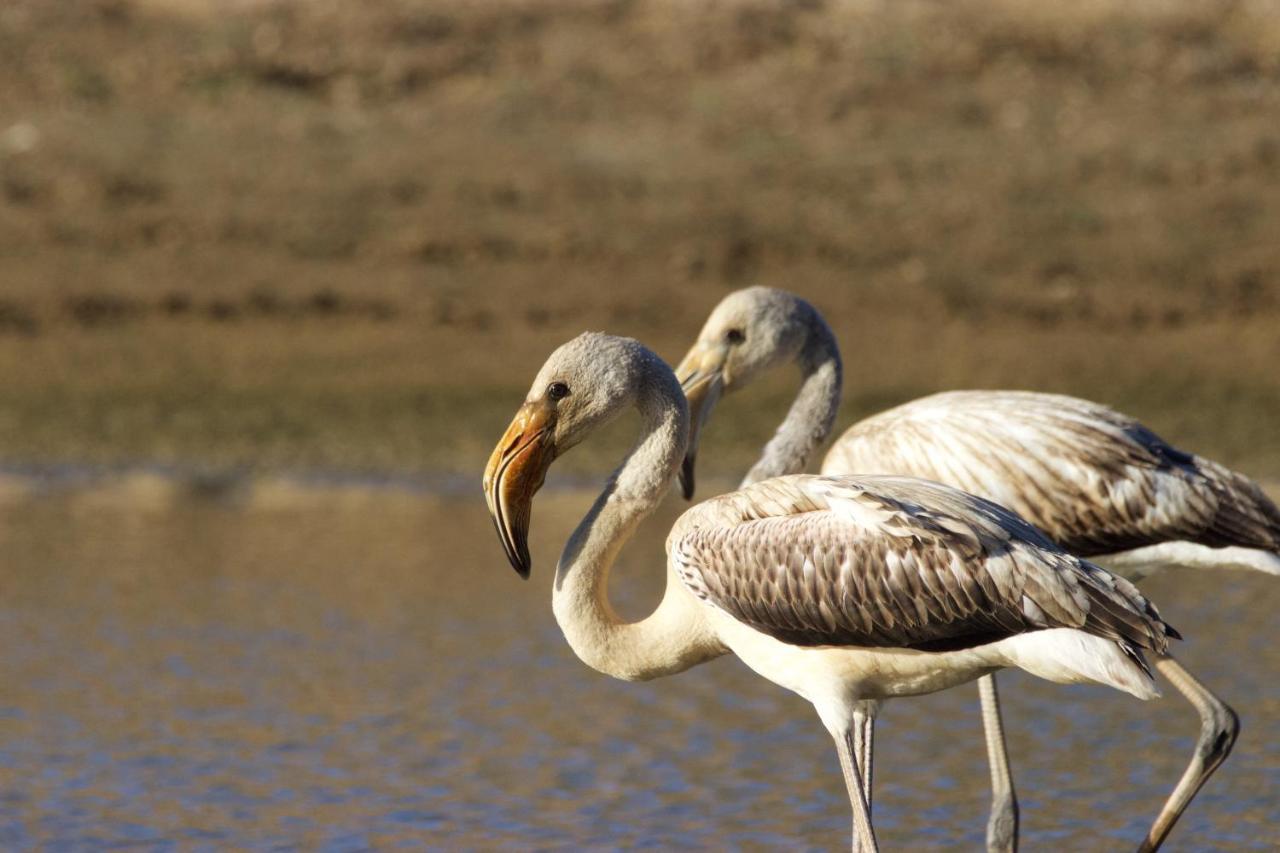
x,y
1099,483
845,590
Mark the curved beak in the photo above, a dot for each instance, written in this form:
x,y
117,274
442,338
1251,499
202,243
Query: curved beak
x,y
516,470
701,375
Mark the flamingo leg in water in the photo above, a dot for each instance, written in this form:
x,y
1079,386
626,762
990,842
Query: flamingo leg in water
x,y
1219,728
848,742
864,732
1002,826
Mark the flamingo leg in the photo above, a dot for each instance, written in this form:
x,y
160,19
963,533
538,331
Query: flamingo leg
x,y
864,731
1002,826
1219,728
848,740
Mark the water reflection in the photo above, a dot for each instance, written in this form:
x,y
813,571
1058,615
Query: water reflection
x,y
358,668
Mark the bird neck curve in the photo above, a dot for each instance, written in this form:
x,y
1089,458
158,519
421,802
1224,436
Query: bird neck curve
x,y
674,637
813,412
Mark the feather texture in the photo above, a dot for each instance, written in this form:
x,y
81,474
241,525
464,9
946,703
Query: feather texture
x,y
1097,482
894,562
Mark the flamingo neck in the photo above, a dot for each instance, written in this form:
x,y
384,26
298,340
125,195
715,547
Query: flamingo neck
x,y
672,638
812,414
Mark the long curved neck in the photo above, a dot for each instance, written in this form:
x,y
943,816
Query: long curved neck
x,y
674,637
812,414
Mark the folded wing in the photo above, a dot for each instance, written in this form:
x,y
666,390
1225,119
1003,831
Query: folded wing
x,y
894,562
1094,480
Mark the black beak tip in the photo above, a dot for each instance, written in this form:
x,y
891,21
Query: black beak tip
x,y
517,553
687,483
522,562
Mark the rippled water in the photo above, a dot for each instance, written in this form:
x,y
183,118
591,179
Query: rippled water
x,y
351,669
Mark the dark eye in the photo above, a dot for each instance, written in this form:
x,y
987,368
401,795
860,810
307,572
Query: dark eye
x,y
557,390
735,336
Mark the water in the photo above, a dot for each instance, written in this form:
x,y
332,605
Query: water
x,y
350,668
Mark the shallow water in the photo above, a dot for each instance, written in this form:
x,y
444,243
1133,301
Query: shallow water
x,y
353,668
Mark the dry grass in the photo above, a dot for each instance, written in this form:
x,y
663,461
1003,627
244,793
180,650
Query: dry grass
x,y
334,234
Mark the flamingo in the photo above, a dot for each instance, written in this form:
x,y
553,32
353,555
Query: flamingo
x,y
1099,483
846,590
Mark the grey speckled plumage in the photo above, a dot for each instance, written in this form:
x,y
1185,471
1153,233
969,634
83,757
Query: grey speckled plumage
x,y
1097,482
898,563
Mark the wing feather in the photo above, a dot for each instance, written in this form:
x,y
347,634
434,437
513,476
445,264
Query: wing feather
x,y
1095,481
893,562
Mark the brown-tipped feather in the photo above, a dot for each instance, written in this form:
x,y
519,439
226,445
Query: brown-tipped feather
x,y
1095,481
960,573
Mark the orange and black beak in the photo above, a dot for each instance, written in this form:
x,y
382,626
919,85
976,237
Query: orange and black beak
x,y
515,472
702,376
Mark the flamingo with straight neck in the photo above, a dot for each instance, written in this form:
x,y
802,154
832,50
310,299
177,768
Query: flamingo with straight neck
x,y
845,590
1097,482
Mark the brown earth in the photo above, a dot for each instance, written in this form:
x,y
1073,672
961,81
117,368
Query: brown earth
x,y
329,234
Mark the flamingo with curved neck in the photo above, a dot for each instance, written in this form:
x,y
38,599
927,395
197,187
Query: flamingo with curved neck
x,y
991,444
672,638
845,590
783,328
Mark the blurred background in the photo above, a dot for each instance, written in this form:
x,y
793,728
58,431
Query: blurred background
x,y
299,234
274,276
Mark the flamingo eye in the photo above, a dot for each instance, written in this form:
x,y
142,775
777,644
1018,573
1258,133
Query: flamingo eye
x,y
557,390
735,336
